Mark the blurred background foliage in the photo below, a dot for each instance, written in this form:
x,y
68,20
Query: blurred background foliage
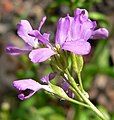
x,y
98,72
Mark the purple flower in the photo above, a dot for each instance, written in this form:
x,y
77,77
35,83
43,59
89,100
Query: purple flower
x,y
23,30
73,34
28,87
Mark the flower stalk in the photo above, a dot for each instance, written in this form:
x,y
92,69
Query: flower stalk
x,y
85,99
79,103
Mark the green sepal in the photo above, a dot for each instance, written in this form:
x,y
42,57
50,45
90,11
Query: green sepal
x,y
58,91
77,63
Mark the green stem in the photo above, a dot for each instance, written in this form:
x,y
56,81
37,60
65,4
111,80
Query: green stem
x,y
80,82
57,61
86,100
77,95
79,103
77,63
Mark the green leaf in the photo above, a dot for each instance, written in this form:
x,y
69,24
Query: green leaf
x,y
47,110
56,117
25,74
77,62
97,16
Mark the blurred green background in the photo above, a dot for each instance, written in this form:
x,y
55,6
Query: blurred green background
x,y
98,72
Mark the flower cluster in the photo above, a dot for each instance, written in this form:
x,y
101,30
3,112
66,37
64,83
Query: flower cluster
x,y
72,35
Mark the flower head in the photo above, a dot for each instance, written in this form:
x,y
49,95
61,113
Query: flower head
x,y
38,55
72,35
73,32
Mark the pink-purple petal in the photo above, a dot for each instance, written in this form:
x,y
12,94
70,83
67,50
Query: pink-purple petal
x,y
80,24
62,30
12,50
23,28
82,13
42,22
46,36
26,87
79,47
48,77
41,54
100,33
86,30
81,30
39,36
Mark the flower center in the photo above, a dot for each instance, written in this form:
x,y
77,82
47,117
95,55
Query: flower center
x,y
26,92
36,44
57,46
